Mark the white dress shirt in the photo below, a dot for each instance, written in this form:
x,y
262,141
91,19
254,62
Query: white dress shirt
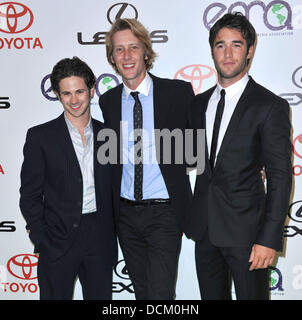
x,y
85,157
232,96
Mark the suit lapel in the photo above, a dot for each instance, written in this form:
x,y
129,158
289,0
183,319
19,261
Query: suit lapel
x,y
204,105
64,141
161,103
116,114
241,106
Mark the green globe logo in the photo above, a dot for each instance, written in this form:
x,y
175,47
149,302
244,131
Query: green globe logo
x,y
108,82
275,279
105,82
276,8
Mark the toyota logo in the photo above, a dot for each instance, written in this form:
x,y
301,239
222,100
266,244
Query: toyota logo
x,y
121,9
297,146
197,74
15,17
22,266
295,211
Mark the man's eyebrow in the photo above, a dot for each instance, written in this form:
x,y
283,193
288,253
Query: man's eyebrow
x,y
238,41
223,41
219,42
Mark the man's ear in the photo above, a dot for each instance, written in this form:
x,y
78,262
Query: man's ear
x,y
57,95
92,91
250,52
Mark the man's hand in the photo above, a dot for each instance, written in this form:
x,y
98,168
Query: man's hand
x,y
263,174
261,257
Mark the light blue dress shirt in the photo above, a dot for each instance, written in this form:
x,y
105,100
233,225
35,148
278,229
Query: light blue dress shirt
x,y
153,182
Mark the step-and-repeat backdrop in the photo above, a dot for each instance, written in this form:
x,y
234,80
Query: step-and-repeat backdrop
x,y
35,34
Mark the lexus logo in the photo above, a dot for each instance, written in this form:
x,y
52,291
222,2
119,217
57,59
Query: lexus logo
x,y
116,11
197,74
15,17
297,77
295,98
295,211
120,270
295,215
23,266
47,90
121,9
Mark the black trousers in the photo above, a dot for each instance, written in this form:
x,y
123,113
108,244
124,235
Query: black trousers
x,y
217,266
57,278
150,239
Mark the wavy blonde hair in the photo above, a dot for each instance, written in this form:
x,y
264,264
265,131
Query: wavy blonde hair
x,y
139,31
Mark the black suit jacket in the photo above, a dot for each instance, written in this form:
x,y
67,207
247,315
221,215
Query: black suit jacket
x,y
231,201
52,190
171,104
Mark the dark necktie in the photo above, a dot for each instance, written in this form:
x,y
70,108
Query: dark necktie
x,y
138,163
216,127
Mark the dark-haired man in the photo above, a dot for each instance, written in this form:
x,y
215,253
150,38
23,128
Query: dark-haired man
x,y
66,196
236,225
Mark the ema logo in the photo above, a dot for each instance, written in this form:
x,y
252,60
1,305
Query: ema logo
x,y
275,279
277,15
16,18
105,82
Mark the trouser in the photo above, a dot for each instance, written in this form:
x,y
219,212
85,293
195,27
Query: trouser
x,y
150,239
56,278
217,266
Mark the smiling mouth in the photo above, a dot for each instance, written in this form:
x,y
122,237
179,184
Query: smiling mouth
x,y
76,107
128,66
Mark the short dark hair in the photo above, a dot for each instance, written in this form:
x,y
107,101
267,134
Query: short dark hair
x,y
68,68
236,21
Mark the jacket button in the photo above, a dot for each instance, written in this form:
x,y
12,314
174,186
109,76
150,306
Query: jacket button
x,y
75,225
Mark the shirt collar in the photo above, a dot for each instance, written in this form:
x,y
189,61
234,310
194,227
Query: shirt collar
x,y
72,128
232,90
143,87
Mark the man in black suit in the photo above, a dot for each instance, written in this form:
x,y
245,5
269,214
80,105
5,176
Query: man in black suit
x,y
66,196
150,197
236,224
